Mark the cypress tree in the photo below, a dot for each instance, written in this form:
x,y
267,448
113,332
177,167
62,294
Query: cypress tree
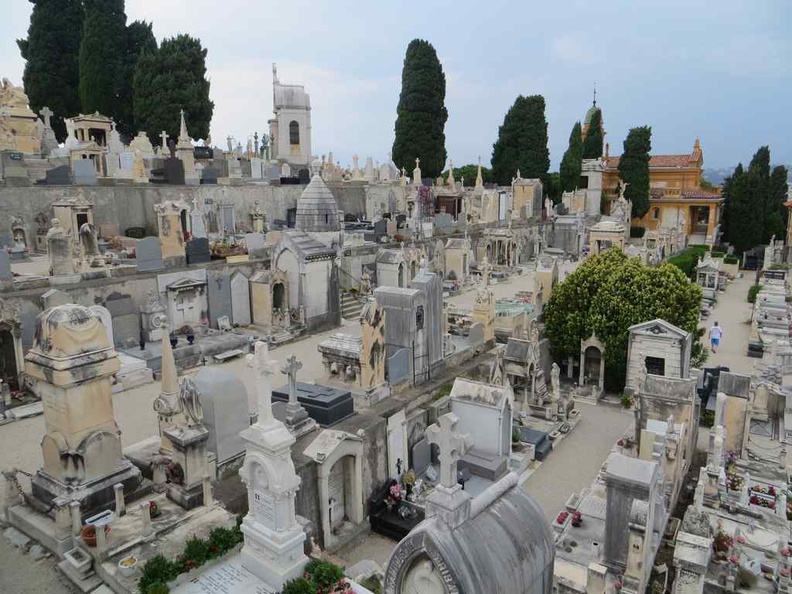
x,y
592,145
421,114
522,142
571,163
50,52
139,39
168,79
778,189
102,56
634,168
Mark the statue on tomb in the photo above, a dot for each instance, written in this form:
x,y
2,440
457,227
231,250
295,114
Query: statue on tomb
x,y
622,189
555,381
90,246
230,141
55,229
265,146
190,403
365,282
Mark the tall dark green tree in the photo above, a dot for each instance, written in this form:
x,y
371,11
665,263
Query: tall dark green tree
x,y
571,163
522,142
634,168
50,52
171,78
778,191
139,39
421,114
102,56
744,219
592,145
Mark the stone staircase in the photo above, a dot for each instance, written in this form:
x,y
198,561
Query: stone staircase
x,y
351,304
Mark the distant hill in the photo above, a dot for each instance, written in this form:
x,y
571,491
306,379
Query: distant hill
x,y
716,176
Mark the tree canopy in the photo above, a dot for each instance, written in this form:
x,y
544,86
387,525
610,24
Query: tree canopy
x,y
634,168
522,142
168,79
50,52
139,39
592,145
421,114
102,56
610,292
571,163
469,173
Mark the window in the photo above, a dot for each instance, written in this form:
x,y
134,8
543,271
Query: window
x,y
294,132
655,213
655,365
419,317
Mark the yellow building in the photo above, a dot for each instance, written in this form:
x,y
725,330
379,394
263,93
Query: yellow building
x,y
676,196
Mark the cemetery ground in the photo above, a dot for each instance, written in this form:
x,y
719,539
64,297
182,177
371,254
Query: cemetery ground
x,y
570,468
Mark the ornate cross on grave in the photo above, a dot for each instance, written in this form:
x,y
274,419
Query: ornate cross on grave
x,y
265,367
290,368
452,445
164,137
486,268
46,113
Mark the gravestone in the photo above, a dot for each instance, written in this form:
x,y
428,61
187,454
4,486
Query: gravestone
x,y
58,176
304,176
203,152
219,284
256,244
391,228
197,224
127,163
398,367
421,456
59,249
54,297
240,299
135,232
226,411
84,172
125,321
107,321
325,405
381,228
5,266
148,253
210,175
197,251
476,334
255,168
174,172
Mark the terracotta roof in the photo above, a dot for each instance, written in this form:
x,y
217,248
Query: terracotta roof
x,y
700,194
660,161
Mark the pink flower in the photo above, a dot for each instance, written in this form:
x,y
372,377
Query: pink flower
x,y
741,539
734,559
786,552
784,571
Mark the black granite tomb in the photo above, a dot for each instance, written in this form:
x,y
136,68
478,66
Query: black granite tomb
x,y
209,175
174,172
197,251
57,176
203,152
327,406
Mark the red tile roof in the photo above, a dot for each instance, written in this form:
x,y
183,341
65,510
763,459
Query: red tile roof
x,y
700,194
661,161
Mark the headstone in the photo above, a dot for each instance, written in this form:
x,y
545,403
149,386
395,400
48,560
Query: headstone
x,y
197,224
240,299
391,229
256,244
421,456
325,405
54,297
197,251
126,163
304,176
219,284
174,172
125,320
84,172
255,168
59,249
5,266
226,410
107,321
58,176
148,253
209,175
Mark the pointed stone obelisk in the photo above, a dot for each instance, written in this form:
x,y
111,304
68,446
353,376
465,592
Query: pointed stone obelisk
x,y
166,404
273,548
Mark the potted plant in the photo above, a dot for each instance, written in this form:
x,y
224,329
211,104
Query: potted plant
x,y
408,480
88,534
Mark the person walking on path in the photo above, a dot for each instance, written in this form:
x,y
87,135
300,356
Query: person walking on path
x,y
715,335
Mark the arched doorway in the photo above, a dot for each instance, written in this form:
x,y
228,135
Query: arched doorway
x,y
279,296
591,358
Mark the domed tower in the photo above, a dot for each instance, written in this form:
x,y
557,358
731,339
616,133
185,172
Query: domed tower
x,y
317,210
590,114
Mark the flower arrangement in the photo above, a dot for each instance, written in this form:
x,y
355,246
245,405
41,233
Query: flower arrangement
x,y
154,510
786,552
88,534
618,585
721,543
394,495
734,482
562,517
784,571
734,559
175,473
577,519
319,577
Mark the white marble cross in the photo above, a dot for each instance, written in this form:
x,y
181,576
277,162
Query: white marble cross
x,y
265,367
452,445
290,368
46,113
485,268
164,137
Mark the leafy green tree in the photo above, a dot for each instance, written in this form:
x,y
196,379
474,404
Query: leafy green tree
x,y
469,173
522,142
571,163
634,168
102,56
421,114
606,295
592,145
50,52
168,79
139,39
778,189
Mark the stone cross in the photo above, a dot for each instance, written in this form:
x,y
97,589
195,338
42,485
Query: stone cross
x,y
452,446
164,137
265,367
46,113
290,368
485,267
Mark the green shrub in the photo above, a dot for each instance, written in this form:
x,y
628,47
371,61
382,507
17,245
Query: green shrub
x,y
718,254
731,259
324,574
752,292
637,232
372,583
158,589
299,586
626,401
157,571
707,418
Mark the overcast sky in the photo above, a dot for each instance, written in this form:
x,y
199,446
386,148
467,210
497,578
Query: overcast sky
x,y
719,69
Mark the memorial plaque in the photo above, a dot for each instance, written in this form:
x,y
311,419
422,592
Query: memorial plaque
x,y
263,507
